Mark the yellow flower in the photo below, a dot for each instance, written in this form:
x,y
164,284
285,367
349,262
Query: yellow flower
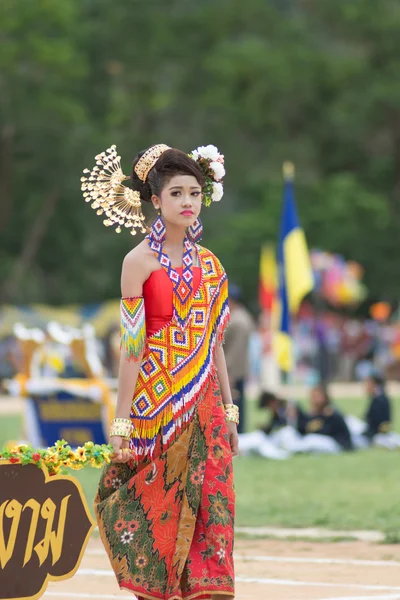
x,y
89,445
106,456
72,456
20,448
52,458
81,454
77,466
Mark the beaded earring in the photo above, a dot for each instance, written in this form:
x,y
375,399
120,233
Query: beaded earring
x,y
158,230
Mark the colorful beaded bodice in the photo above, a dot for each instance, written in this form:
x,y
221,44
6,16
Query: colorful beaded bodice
x,y
177,362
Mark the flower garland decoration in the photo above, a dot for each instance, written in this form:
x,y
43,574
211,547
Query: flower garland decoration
x,y
211,163
60,456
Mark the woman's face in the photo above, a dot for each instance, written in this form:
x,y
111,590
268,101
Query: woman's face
x,y
318,400
180,200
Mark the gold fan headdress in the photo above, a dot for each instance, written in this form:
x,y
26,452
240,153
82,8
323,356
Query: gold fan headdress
x,y
103,187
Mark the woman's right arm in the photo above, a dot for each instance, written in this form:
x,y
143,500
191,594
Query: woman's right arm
x,y
132,279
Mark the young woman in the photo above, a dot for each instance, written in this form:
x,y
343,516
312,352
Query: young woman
x,y
165,505
324,427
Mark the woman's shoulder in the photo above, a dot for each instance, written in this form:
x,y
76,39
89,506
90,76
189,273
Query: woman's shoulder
x,y
138,253
139,263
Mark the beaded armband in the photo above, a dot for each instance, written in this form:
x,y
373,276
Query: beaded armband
x,y
133,327
232,413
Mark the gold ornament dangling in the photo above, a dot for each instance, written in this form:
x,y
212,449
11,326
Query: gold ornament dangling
x,y
103,187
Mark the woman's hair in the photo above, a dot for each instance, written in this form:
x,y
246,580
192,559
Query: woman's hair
x,y
266,399
171,162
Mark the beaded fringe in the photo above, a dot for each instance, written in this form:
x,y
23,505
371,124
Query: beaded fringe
x,y
186,382
133,327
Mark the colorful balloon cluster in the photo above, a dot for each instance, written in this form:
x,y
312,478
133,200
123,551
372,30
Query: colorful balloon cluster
x,y
338,281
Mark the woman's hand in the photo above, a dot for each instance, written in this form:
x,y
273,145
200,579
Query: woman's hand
x,y
233,437
121,452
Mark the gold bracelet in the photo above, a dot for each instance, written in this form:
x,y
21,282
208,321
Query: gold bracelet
x,y
121,428
232,413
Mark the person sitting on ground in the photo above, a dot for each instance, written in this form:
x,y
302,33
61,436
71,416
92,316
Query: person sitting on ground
x,y
278,408
325,420
322,430
378,416
259,441
376,427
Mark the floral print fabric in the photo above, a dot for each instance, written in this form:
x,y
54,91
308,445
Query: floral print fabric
x,y
167,522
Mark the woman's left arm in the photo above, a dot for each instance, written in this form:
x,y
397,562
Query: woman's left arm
x,y
220,363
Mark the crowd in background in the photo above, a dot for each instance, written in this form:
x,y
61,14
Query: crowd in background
x,y
335,347
344,348
338,347
328,346
320,426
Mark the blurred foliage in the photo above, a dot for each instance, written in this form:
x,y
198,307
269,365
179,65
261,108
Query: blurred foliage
x,y
313,81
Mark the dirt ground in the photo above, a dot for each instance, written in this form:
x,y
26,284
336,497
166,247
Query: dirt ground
x,y
270,570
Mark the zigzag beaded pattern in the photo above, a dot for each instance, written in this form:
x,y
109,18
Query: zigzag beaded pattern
x,y
178,363
133,327
183,285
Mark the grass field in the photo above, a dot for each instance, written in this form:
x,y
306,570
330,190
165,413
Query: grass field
x,y
358,490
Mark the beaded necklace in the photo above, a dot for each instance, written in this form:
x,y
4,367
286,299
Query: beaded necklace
x,y
183,285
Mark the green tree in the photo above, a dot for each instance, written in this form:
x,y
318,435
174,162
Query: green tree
x,y
312,81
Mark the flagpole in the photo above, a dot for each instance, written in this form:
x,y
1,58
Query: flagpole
x,y
288,377
288,170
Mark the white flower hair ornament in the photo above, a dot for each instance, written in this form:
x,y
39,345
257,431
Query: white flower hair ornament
x,y
211,163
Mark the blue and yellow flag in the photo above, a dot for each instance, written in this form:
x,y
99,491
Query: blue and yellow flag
x,y
295,272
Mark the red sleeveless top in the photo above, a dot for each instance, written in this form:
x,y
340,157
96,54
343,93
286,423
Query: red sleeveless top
x,y
157,295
